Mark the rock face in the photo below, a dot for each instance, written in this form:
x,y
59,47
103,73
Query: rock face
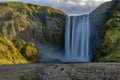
x,y
32,22
39,24
97,19
109,48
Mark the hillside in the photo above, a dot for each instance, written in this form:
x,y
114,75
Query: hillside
x,y
109,48
31,22
17,51
9,54
25,25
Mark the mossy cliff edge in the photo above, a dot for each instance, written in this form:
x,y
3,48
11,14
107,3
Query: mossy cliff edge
x,y
23,25
31,22
109,48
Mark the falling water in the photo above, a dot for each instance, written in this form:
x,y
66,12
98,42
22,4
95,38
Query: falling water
x,y
77,36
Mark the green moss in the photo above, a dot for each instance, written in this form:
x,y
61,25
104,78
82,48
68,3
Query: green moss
x,y
18,20
19,52
52,11
109,49
19,44
27,49
30,52
22,23
8,53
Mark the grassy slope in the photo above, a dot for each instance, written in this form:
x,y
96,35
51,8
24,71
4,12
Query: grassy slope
x,y
109,49
9,54
22,22
31,22
17,51
27,49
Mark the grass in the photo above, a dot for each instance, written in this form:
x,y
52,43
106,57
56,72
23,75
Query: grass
x,y
109,49
22,23
9,53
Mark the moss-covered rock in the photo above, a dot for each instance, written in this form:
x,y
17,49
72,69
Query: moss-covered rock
x,y
32,22
19,44
9,54
109,49
25,24
27,49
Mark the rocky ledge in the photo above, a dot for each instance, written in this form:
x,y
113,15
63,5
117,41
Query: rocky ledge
x,y
71,71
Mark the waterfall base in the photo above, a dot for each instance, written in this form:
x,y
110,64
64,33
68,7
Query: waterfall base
x,y
76,59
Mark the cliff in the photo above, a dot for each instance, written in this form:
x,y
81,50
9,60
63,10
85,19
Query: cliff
x,y
98,18
27,26
31,22
109,47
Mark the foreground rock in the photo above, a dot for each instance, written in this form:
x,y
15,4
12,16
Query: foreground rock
x,y
83,71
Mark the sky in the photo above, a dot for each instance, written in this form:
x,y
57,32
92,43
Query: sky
x,y
67,6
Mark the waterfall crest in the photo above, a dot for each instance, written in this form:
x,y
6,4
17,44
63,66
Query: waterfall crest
x,y
77,37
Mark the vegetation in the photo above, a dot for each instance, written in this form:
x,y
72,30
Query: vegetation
x,y
8,53
25,24
27,49
28,22
16,52
109,49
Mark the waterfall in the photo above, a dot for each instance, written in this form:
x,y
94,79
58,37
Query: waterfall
x,y
77,36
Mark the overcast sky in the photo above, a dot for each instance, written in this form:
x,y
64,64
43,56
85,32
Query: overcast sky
x,y
68,6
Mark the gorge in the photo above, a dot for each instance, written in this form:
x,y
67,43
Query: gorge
x,y
57,36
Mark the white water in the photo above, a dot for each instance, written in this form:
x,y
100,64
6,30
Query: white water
x,y
77,35
77,30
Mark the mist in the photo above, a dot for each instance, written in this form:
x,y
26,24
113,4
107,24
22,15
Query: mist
x,y
48,52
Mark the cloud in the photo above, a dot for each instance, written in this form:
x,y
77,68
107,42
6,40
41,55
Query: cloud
x,y
68,6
